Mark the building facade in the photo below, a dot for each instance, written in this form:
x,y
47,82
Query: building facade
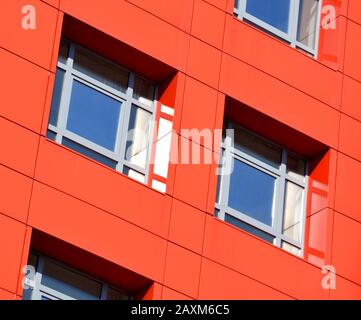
x,y
196,149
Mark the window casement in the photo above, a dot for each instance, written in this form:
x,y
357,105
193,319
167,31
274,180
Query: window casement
x,y
295,21
265,192
48,279
102,111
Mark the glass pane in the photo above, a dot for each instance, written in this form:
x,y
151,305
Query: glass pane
x,y
273,12
116,295
293,211
219,182
89,153
101,70
55,104
30,276
69,283
51,135
27,294
307,22
248,228
140,177
296,167
63,51
291,249
257,147
143,91
236,4
93,115
252,192
138,137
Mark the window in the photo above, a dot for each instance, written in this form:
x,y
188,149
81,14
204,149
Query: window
x,y
265,193
295,21
55,281
103,111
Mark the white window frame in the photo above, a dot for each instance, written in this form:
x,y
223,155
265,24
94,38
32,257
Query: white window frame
x,y
282,177
291,35
127,100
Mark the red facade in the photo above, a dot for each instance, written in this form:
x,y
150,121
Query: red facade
x,y
208,65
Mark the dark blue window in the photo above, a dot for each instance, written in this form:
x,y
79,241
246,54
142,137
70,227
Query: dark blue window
x,y
248,228
272,12
89,153
251,192
55,104
93,115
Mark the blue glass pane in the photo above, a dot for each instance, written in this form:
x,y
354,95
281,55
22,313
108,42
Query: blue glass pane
x,y
93,115
251,192
246,227
273,12
89,153
27,294
55,104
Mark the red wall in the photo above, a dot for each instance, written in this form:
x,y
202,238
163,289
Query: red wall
x,y
173,239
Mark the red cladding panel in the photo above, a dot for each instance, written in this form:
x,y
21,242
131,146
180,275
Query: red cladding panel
x,y
209,65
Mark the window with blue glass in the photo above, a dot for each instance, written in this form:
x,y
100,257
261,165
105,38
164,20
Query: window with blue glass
x,y
295,21
265,192
102,111
48,279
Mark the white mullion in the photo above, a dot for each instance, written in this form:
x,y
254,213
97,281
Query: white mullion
x,y
151,135
53,129
226,178
242,8
65,95
220,187
36,294
281,199
304,212
293,21
125,123
318,27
